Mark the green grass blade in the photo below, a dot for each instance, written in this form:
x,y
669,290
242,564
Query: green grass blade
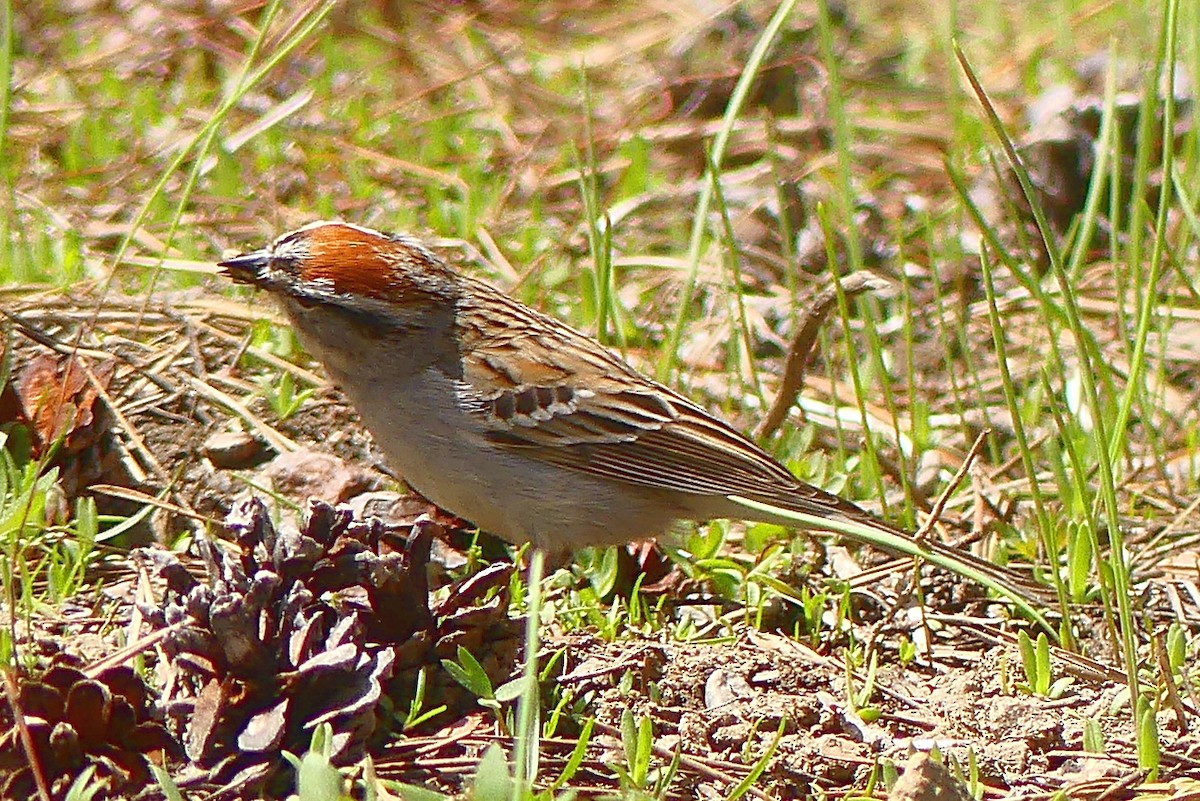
x,y
697,240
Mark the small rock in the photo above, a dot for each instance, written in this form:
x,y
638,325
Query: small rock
x,y
926,780
230,450
391,508
723,687
312,474
398,511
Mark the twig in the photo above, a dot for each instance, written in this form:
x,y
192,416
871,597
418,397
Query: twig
x,y
939,506
802,344
278,441
133,649
129,494
10,689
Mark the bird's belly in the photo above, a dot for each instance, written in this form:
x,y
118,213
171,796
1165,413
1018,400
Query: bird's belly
x,y
519,498
523,500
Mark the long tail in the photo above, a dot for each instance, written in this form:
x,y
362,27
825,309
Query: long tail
x,y
859,526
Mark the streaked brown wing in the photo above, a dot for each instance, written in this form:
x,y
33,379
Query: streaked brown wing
x,y
544,389
653,438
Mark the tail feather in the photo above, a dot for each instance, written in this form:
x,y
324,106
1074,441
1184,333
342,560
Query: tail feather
x,y
858,525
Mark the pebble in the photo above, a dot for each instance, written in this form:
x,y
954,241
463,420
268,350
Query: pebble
x,y
230,450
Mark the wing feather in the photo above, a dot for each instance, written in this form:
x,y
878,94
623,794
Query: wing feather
x,y
602,417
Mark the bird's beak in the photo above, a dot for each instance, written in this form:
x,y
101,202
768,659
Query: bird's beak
x,y
248,268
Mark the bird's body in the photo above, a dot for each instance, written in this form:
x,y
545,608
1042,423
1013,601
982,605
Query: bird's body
x,y
418,423
508,417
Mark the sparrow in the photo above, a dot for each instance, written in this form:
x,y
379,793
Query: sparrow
x,y
513,420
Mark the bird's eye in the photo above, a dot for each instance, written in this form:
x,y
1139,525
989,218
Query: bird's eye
x,y
287,264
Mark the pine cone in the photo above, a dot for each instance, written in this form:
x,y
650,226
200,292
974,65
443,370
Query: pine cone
x,y
294,629
107,723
